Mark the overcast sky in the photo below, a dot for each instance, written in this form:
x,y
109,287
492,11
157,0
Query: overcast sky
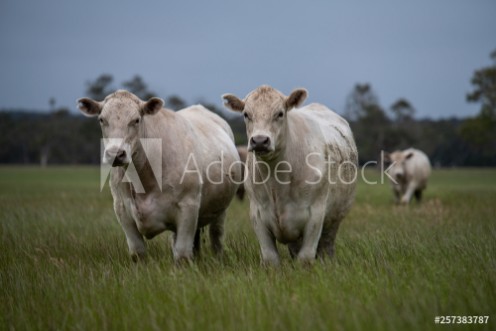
x,y
425,51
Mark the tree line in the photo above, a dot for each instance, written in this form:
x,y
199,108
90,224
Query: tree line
x,y
60,137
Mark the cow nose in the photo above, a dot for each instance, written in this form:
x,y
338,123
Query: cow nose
x,y
120,156
260,143
116,157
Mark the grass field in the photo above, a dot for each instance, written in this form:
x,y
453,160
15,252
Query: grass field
x,y
64,263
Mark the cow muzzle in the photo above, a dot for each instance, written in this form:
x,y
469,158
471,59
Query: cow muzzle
x,y
116,157
260,144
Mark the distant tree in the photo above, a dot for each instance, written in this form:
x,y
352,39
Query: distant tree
x,y
485,88
100,88
137,86
480,131
361,99
52,102
175,102
369,122
402,110
403,133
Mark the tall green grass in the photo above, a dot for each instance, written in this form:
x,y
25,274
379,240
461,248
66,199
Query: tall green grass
x,y
64,263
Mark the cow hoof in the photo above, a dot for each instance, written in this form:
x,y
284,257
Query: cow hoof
x,y
271,264
183,261
138,257
306,261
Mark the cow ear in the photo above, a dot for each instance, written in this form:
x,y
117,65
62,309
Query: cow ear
x,y
233,102
89,107
152,106
409,155
295,99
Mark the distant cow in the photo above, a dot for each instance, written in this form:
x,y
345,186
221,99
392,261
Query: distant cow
x,y
243,153
194,188
409,172
293,154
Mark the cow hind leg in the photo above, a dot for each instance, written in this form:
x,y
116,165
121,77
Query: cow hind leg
x,y
294,248
216,232
327,239
397,196
197,243
418,195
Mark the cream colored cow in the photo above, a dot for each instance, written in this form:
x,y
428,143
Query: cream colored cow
x,y
409,171
301,171
194,188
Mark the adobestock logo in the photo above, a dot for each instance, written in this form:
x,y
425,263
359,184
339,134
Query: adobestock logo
x,y
117,152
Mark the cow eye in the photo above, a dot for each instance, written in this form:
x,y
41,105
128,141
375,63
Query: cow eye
x,y
101,120
134,122
245,114
280,115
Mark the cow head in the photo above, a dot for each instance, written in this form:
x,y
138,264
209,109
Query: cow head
x,y
121,120
398,161
265,111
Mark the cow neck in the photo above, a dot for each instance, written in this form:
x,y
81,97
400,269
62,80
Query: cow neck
x,y
278,157
142,165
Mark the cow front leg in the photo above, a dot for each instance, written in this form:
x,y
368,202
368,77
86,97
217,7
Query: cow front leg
x,y
311,236
187,224
266,239
407,196
268,248
135,241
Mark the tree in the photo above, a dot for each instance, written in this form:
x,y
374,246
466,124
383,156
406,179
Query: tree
x,y
137,86
480,131
361,98
175,102
52,102
404,132
402,110
485,88
369,122
100,88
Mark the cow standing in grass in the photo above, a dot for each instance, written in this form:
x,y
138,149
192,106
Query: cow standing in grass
x,y
301,171
199,167
409,171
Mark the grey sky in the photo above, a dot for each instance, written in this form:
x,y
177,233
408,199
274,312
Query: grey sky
x,y
425,51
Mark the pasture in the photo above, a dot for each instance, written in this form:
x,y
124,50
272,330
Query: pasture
x,y
64,263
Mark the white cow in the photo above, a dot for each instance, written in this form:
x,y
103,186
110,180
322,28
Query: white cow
x,y
194,188
409,172
301,171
